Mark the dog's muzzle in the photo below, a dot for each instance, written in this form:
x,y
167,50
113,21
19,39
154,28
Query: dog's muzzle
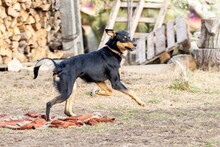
x,y
131,49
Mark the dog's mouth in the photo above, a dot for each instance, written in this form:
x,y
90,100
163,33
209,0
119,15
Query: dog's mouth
x,y
129,49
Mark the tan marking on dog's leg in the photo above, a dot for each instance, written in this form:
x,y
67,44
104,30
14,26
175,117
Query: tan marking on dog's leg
x,y
106,91
119,71
69,102
133,96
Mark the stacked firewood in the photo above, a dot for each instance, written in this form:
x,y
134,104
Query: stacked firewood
x,y
28,28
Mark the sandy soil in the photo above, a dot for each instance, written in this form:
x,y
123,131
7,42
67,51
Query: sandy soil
x,y
172,117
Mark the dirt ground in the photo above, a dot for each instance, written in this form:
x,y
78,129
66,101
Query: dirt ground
x,y
173,116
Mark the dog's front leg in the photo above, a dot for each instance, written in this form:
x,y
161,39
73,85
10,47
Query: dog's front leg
x,y
117,85
106,91
133,96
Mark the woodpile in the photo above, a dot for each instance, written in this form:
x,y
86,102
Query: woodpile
x,y
29,30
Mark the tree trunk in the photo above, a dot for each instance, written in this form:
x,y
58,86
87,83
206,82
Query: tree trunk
x,y
208,54
208,59
210,33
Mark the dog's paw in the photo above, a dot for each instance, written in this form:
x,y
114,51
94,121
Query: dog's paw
x,y
142,104
93,92
69,113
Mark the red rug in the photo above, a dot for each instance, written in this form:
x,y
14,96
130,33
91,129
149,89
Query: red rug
x,y
33,120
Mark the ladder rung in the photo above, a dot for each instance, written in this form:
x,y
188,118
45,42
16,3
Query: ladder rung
x,y
140,35
142,19
146,5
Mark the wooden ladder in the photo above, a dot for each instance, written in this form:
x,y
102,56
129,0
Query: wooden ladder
x,y
136,17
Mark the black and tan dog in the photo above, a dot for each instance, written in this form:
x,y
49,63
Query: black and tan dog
x,y
96,66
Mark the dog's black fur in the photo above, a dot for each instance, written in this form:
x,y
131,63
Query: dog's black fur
x,y
96,66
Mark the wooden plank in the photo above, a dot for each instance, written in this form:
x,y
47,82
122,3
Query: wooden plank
x,y
71,26
154,1
111,22
164,57
147,20
150,46
78,42
161,14
155,57
68,24
141,19
160,40
146,5
170,35
140,50
113,14
181,30
140,35
129,16
136,17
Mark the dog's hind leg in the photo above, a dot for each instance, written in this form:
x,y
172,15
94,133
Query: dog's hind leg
x,y
106,91
65,85
69,102
58,99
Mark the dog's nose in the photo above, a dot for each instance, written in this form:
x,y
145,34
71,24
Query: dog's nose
x,y
134,44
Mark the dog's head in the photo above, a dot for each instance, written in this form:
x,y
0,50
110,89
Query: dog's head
x,y
120,41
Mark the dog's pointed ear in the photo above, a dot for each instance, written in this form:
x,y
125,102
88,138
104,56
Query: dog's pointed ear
x,y
110,32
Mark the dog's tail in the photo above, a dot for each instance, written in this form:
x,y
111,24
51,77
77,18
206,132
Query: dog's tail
x,y
51,64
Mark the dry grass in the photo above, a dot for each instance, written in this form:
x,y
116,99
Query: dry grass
x,y
173,116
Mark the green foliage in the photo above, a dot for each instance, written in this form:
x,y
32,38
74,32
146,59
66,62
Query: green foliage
x,y
102,127
194,89
212,143
157,116
128,116
154,101
179,85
